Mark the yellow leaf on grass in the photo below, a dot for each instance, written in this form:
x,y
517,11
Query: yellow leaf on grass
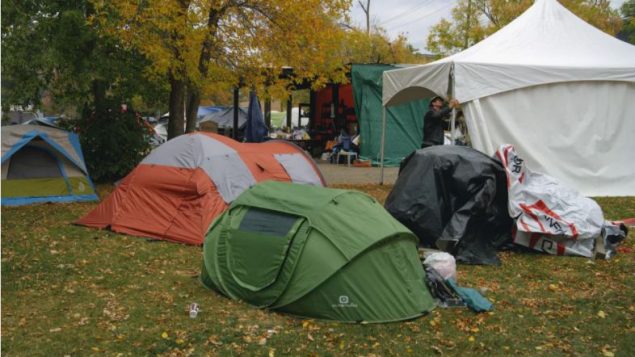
x,y
471,339
272,352
606,352
601,314
164,335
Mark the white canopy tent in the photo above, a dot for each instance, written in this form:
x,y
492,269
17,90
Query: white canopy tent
x,y
558,89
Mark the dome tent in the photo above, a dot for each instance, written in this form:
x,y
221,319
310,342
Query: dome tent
x,y
181,186
43,164
316,252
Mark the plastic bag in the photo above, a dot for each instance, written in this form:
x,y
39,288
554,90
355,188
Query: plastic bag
x,y
443,263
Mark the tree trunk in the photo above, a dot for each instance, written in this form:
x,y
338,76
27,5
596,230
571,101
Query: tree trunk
x,y
177,108
99,94
193,101
194,94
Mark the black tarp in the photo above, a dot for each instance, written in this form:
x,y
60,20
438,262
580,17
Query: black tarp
x,y
454,198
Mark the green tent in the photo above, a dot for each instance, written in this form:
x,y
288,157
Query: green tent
x,y
316,252
404,123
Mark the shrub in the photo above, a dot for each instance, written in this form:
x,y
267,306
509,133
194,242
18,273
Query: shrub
x,y
113,141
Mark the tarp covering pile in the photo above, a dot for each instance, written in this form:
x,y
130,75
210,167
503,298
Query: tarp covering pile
x,y
43,164
255,129
181,186
316,252
404,132
557,88
549,216
454,198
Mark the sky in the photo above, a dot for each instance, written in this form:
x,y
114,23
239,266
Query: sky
x,y
413,18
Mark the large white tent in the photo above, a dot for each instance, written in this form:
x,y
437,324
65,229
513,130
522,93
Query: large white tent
x,y
558,89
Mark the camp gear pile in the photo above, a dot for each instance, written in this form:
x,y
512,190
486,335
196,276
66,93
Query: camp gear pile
x,y
453,198
549,216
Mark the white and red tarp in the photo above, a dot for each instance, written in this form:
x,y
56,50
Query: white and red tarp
x,y
549,216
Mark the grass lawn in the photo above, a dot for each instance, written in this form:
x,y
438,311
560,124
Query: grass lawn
x,y
70,290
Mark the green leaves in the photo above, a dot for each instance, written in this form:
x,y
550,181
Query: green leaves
x,y
114,142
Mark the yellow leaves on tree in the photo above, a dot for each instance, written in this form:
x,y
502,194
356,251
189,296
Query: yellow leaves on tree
x,y
203,47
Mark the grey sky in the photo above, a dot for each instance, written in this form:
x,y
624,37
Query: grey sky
x,y
414,18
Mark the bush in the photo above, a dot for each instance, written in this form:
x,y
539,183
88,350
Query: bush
x,y
113,142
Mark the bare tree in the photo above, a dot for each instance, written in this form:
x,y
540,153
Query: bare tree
x,y
366,9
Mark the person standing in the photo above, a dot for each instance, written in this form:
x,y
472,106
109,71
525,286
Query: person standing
x,y
433,122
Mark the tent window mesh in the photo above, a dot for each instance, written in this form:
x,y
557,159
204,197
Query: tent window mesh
x,y
267,222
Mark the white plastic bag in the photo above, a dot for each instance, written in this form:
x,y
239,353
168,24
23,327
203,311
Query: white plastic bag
x,y
444,263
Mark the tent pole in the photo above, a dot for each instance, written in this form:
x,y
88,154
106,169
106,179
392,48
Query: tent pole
x,y
452,125
383,139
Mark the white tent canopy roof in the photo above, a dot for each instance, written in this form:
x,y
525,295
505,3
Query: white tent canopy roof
x,y
546,44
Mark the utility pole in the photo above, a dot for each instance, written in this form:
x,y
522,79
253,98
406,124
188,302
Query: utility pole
x,y
366,10
467,24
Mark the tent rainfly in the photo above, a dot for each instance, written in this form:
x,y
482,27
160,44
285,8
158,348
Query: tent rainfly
x,y
181,186
316,252
43,164
555,87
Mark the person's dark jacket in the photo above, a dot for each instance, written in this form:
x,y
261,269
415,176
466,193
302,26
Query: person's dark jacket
x,y
433,126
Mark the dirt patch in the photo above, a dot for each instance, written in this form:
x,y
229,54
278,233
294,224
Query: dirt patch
x,y
341,174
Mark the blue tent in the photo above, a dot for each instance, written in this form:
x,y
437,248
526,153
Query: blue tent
x,y
43,164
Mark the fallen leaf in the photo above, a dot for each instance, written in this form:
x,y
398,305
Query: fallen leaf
x,y
606,352
471,339
601,314
262,341
164,335
309,337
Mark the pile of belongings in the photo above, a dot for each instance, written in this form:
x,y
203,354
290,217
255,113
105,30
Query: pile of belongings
x,y
552,218
463,202
453,198
440,270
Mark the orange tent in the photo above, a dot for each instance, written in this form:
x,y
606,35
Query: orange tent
x,y
181,186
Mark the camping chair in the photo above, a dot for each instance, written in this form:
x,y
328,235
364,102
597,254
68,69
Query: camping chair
x,y
347,150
